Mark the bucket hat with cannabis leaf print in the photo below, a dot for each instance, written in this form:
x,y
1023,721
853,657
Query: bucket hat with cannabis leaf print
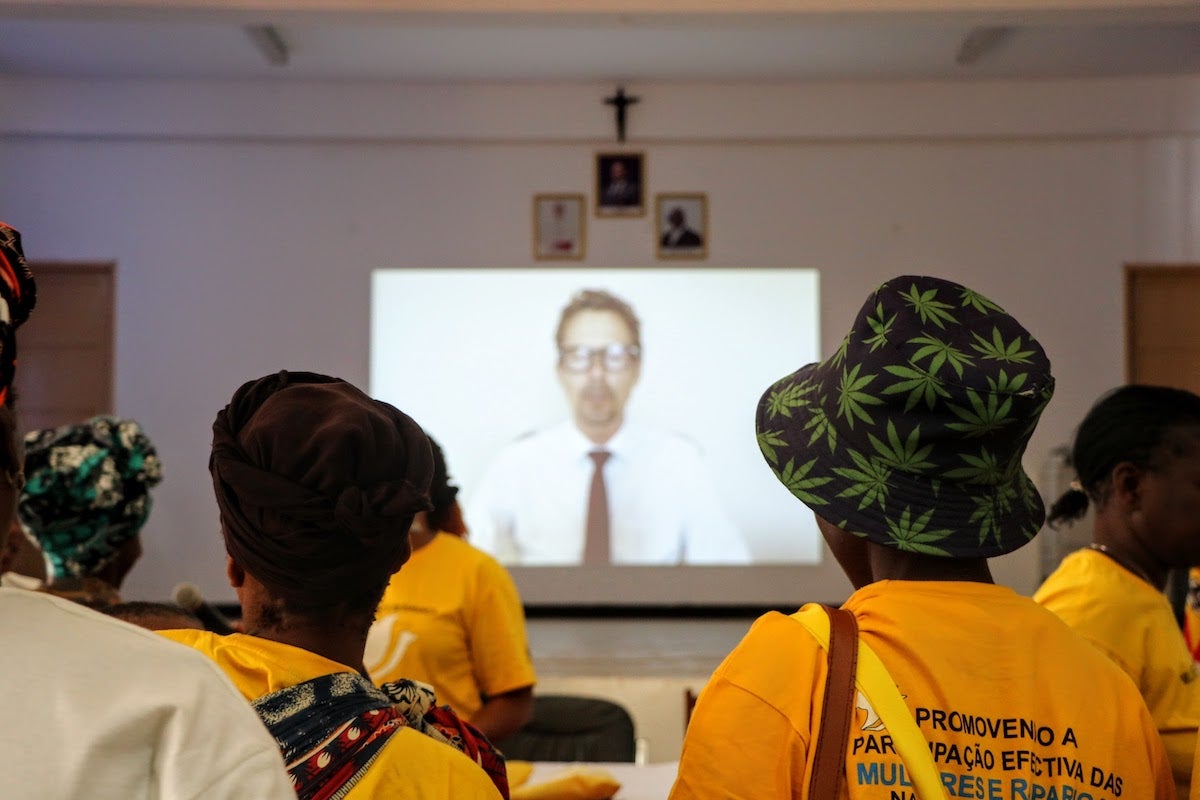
x,y
911,435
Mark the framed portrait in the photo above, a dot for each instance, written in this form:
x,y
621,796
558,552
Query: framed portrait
x,y
620,184
681,229
559,227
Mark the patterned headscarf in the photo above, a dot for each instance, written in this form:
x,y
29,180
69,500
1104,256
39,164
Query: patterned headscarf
x,y
317,485
911,435
87,491
18,295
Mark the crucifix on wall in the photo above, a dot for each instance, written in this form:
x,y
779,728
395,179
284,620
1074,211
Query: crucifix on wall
x,y
620,102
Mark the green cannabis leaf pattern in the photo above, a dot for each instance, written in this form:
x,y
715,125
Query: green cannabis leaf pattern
x,y
782,401
978,302
911,433
852,398
906,455
870,480
840,355
983,468
820,425
929,309
984,415
941,352
768,441
909,534
797,482
881,325
998,350
918,383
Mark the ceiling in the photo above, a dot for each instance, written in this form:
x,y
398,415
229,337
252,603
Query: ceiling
x,y
425,47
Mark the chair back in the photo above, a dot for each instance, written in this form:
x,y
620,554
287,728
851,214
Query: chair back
x,y
571,728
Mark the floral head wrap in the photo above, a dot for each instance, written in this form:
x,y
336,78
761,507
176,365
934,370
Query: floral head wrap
x,y
87,491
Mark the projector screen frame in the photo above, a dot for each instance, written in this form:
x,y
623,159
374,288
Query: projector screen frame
x,y
685,589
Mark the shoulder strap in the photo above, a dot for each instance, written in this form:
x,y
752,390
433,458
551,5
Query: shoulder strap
x,y
829,759
874,681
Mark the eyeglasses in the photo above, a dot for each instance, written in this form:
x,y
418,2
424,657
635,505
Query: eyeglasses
x,y
614,357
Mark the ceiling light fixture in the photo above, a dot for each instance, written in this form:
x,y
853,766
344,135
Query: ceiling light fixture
x,y
981,41
270,43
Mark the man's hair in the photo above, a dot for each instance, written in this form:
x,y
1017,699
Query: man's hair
x,y
598,300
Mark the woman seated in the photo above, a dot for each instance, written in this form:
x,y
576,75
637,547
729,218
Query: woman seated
x,y
1137,455
906,444
317,486
452,618
86,498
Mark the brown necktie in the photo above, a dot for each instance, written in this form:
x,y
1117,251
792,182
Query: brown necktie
x,y
596,541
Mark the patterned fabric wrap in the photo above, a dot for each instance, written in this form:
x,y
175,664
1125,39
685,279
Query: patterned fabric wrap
x,y
329,730
320,726
317,484
911,434
418,703
87,491
18,295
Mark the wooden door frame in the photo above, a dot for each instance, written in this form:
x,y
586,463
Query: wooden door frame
x,y
1130,274
41,266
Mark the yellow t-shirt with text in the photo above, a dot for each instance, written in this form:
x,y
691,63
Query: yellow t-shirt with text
x,y
1013,705
452,618
410,765
1132,622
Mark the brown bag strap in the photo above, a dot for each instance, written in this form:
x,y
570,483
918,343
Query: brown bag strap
x,y
829,761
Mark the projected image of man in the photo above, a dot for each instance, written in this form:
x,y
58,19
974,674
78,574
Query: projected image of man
x,y
598,488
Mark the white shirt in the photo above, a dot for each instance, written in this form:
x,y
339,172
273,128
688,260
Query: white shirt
x,y
99,709
530,507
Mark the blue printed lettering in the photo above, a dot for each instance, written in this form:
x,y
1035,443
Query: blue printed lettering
x,y
885,774
868,774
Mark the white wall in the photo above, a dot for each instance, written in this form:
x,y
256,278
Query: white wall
x,y
245,219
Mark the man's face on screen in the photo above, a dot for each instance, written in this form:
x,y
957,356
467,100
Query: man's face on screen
x,y
598,367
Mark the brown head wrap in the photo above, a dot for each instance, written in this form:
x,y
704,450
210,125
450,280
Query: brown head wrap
x,y
317,485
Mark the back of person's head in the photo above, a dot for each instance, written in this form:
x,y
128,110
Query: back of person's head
x,y
154,616
87,492
598,300
1135,424
445,515
317,485
911,435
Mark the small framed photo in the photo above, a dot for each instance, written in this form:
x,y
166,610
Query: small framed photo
x,y
559,227
682,225
620,185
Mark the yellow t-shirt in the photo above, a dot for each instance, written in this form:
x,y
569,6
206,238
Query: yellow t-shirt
x,y
411,765
1012,704
451,617
1133,623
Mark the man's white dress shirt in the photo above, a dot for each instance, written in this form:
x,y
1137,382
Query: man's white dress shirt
x,y
530,507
